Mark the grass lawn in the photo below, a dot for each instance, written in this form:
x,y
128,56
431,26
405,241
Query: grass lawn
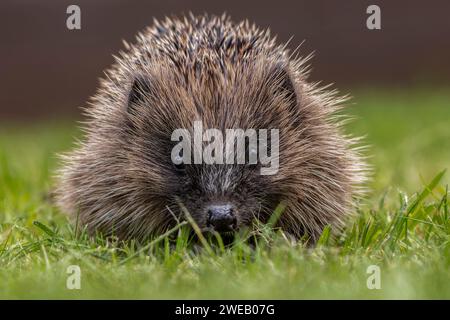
x,y
403,226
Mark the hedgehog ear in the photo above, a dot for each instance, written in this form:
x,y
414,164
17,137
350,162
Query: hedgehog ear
x,y
140,89
285,86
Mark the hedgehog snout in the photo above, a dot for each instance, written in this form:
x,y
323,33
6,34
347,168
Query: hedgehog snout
x,y
221,217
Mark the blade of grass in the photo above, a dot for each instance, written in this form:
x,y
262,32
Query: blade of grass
x,y
153,242
196,228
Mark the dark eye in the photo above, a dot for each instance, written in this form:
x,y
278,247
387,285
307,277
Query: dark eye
x,y
180,168
178,163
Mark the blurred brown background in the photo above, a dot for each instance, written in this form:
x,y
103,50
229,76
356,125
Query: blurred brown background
x,y
47,70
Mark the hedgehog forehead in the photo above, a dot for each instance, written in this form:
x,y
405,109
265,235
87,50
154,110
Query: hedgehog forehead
x,y
218,179
222,179
222,100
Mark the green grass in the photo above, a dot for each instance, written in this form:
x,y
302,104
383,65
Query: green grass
x,y
403,226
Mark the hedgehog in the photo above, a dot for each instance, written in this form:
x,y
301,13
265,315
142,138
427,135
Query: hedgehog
x,y
122,181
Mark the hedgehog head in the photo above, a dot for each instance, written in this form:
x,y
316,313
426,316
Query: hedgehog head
x,y
210,75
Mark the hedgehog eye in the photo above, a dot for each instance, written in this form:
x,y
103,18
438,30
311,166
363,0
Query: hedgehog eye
x,y
253,151
285,87
179,165
252,155
180,168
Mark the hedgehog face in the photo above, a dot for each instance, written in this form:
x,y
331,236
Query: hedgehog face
x,y
220,196
228,186
223,197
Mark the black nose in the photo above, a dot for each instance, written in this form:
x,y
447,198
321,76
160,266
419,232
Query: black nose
x,y
221,217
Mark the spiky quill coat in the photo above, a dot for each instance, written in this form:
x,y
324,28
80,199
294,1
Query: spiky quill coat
x,y
120,179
